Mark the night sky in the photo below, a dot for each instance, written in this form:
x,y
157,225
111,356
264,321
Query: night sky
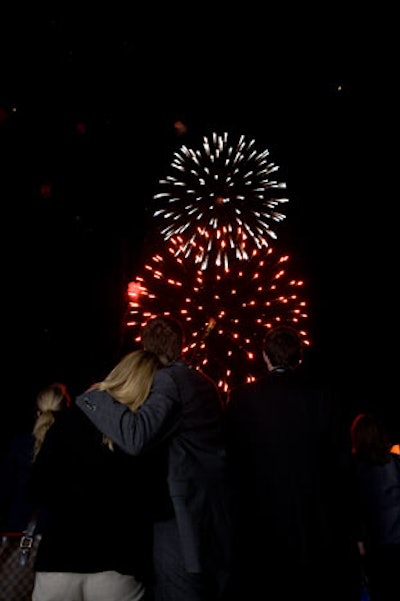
x,y
87,112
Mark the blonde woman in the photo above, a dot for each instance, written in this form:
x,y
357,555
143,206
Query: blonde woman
x,y
96,545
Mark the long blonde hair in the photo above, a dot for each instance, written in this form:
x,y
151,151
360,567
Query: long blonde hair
x,y
50,399
129,382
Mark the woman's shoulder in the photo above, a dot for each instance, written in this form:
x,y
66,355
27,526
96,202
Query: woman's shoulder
x,y
72,425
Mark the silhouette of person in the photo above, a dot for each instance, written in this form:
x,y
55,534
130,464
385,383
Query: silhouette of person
x,y
289,458
377,472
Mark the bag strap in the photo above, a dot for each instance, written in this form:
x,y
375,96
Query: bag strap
x,y
26,541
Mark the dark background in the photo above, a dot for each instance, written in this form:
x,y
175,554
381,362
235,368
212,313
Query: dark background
x,y
88,104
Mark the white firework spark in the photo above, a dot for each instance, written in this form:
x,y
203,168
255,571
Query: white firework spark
x,y
220,202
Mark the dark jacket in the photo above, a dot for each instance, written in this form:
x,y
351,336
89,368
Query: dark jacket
x,y
184,412
289,457
379,499
15,506
97,502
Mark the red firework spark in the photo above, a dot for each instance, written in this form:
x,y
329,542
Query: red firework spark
x,y
227,313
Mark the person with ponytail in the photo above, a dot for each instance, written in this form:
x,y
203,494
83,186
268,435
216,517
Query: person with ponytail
x,y
50,399
18,511
15,503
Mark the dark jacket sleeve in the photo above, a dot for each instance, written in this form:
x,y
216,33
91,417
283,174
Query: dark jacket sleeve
x,y
136,431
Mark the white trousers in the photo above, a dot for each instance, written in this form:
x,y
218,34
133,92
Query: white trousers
x,y
101,586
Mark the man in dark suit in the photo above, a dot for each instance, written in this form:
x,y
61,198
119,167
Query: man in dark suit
x,y
289,458
182,416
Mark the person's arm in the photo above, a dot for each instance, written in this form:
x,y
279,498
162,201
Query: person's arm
x,y
135,431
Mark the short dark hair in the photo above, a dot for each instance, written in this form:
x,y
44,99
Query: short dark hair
x,y
163,336
283,347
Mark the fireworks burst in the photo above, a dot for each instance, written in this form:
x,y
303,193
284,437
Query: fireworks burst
x,y
220,202
227,314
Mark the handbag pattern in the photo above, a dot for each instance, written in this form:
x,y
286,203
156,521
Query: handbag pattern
x,y
16,580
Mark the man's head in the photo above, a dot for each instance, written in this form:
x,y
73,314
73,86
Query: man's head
x,y
164,337
282,347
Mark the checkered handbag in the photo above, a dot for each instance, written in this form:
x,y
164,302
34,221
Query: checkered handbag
x,y
16,567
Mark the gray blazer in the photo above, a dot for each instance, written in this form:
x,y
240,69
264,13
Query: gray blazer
x,y
184,409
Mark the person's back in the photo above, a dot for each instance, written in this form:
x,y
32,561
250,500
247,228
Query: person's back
x,y
15,506
289,462
92,506
97,539
377,473
197,462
